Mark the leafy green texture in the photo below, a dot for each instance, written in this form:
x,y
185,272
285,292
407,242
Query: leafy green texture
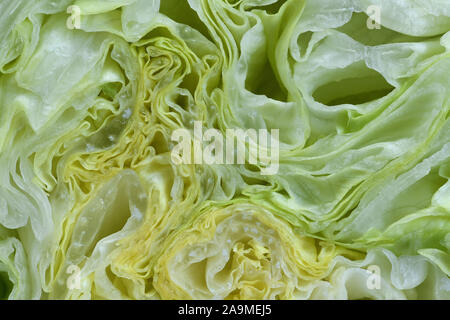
x,y
93,207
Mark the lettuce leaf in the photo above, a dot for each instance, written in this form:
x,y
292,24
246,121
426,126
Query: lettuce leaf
x,y
92,205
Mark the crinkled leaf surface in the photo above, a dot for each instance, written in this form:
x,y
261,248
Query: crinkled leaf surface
x,y
91,92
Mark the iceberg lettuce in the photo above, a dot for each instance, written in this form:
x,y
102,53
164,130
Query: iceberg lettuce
x,y
92,205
